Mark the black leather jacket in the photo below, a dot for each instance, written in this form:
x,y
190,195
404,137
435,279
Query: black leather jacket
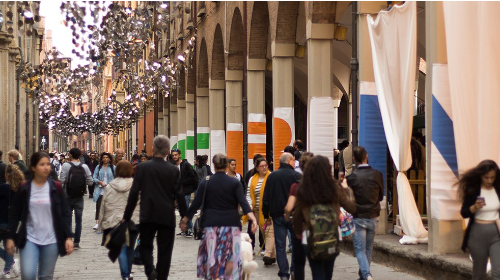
x,y
368,187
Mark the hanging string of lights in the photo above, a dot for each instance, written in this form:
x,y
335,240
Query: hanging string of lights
x,y
105,32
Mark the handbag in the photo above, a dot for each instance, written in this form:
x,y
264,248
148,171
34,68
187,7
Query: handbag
x,y
198,230
346,223
137,254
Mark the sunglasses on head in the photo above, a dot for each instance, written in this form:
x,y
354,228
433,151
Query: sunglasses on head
x,y
175,150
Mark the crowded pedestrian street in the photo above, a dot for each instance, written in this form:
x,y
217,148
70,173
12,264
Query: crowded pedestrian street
x,y
238,140
91,261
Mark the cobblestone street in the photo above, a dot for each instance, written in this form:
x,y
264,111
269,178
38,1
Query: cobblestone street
x,y
91,262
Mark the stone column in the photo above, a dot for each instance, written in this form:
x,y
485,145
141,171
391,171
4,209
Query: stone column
x,y
190,127
5,40
181,126
203,129
443,235
322,116
366,74
216,116
234,116
283,94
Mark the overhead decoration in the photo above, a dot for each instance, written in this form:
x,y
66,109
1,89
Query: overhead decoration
x,y
112,34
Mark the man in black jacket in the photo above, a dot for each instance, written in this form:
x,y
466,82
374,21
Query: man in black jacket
x,y
158,183
368,187
274,201
189,183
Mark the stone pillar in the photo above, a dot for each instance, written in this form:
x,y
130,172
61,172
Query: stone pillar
x,y
5,40
321,114
14,59
190,127
256,85
443,235
283,94
216,117
181,126
202,114
366,74
234,95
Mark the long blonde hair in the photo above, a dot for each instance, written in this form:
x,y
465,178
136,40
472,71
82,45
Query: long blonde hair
x,y
14,176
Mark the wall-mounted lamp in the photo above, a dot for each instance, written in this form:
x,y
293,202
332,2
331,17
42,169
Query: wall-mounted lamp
x,y
300,51
340,32
269,65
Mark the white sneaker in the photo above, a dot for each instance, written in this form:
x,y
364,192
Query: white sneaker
x,y
95,227
5,275
15,268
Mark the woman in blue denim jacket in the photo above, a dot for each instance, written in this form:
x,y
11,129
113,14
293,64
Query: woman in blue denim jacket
x,y
103,174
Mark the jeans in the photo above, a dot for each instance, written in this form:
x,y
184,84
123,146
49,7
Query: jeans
x,y
76,204
363,239
188,199
321,270
280,232
289,235
126,257
42,256
3,254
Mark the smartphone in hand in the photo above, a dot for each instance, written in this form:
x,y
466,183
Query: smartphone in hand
x,y
482,199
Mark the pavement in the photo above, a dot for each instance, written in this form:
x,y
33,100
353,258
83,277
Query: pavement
x,y
92,262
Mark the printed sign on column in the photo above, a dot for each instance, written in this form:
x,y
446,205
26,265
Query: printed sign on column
x,y
371,129
256,137
181,145
235,144
284,132
444,164
173,142
190,146
322,126
217,143
203,139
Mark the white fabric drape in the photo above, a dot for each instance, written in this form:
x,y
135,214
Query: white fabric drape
x,y
393,38
473,48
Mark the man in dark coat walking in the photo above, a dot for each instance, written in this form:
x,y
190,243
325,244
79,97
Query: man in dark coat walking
x,y
157,181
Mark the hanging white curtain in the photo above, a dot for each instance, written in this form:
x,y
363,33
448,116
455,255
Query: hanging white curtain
x,y
393,38
473,48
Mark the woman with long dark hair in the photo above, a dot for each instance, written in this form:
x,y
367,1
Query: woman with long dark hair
x,y
13,177
479,191
219,255
103,174
318,186
40,221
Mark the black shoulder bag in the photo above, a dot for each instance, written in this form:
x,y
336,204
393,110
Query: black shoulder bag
x,y
198,230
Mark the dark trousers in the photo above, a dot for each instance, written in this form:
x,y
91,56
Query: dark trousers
x,y
321,270
76,205
91,191
298,257
165,236
98,207
252,236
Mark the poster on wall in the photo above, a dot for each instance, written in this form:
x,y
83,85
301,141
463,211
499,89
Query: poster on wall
x,y
217,142
181,145
444,165
284,131
322,126
190,146
203,139
235,144
256,137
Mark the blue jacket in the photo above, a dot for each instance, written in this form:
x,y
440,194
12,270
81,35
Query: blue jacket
x,y
99,176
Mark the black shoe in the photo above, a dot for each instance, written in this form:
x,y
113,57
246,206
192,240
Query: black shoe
x,y
76,246
268,260
181,234
153,275
188,234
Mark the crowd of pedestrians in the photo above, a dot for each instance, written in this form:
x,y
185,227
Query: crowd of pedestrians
x,y
296,207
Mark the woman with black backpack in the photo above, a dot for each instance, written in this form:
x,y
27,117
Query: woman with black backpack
x,y
103,174
319,197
